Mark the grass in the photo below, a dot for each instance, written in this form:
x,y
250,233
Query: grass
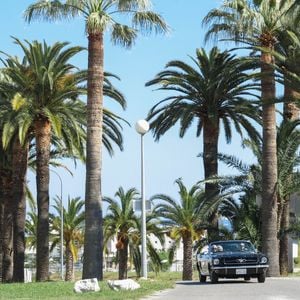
x,y
64,290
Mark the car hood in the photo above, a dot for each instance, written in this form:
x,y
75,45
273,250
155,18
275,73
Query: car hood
x,y
237,253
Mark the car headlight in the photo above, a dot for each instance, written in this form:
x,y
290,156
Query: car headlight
x,y
216,261
263,260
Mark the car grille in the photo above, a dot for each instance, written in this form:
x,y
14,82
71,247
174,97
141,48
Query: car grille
x,y
240,260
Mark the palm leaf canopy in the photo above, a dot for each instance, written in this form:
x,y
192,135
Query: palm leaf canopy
x,y
216,87
120,219
250,178
181,217
254,22
102,15
45,85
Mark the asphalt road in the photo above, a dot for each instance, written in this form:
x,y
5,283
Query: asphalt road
x,y
272,289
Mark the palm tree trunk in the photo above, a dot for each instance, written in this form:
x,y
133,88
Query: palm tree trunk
x,y
7,230
210,161
1,227
187,272
69,264
19,164
43,139
123,259
93,238
284,240
269,166
1,204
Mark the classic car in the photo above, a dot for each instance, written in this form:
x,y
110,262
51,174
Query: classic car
x,y
231,259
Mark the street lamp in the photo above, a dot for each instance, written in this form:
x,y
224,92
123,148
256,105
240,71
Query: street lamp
x,y
61,227
142,126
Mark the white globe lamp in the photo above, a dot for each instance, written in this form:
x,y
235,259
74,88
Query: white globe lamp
x,y
142,127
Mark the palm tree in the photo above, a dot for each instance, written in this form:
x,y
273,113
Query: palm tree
x,y
183,219
19,154
73,231
121,222
212,92
287,55
257,23
288,141
50,87
99,18
153,229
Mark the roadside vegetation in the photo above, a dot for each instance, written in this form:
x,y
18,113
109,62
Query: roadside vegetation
x,y
64,290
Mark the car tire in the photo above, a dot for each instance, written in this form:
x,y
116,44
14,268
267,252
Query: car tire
x,y
213,277
261,277
202,278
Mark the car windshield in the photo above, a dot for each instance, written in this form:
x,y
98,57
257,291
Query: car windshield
x,y
232,246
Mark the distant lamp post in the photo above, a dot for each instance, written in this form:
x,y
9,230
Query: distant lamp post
x,y
61,227
142,127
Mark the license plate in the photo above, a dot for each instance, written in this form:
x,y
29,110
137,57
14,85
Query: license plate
x,y
240,271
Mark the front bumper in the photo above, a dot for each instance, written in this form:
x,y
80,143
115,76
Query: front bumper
x,y
239,271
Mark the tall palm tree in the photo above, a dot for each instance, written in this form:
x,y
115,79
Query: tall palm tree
x,y
288,141
208,93
19,154
182,218
49,85
257,23
287,56
121,222
99,17
73,231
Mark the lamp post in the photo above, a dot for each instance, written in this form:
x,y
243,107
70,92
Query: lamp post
x,y
142,126
61,227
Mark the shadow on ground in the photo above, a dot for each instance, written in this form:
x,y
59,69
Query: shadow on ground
x,y
219,282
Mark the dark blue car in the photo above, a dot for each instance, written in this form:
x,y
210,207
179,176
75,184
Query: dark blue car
x,y
231,259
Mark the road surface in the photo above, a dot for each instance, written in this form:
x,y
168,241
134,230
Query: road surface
x,y
272,289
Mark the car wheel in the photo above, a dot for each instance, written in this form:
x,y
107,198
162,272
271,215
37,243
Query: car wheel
x,y
202,278
247,278
261,277
213,277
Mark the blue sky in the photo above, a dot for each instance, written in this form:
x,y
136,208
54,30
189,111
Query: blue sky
x,y
165,161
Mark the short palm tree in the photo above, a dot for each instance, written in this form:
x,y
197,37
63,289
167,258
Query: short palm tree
x,y
121,222
99,17
210,93
153,229
73,231
257,23
182,218
30,229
